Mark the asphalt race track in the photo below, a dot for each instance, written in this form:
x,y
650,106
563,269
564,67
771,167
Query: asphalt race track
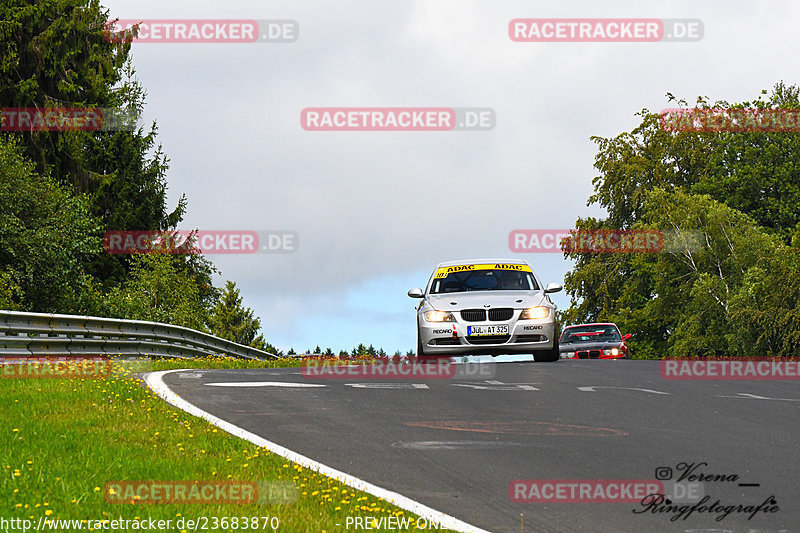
x,y
456,445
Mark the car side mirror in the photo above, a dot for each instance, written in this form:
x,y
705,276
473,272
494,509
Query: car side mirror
x,y
626,336
553,287
415,293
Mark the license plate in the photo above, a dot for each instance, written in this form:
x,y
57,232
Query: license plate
x,y
476,331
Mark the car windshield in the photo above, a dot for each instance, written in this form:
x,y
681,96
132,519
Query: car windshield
x,y
484,280
602,333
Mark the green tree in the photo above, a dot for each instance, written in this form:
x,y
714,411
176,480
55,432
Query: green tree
x,y
740,193
46,237
233,321
699,273
55,53
157,290
765,311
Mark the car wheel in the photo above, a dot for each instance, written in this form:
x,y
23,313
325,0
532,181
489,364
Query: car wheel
x,y
547,356
421,357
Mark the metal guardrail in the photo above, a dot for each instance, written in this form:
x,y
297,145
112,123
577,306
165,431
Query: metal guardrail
x,y
43,334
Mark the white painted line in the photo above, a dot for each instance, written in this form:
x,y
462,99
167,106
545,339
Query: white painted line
x,y
264,384
495,387
756,397
155,381
387,385
592,389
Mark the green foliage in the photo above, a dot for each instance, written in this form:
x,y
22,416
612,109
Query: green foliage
x,y
753,172
766,309
55,53
157,290
727,203
46,237
231,320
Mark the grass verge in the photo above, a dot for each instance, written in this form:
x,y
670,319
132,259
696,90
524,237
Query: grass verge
x,y
63,440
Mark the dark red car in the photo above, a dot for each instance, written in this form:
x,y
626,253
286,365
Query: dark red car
x,y
593,341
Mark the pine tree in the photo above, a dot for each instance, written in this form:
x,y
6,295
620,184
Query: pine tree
x,y
231,320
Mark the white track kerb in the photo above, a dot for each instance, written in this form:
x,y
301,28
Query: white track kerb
x,y
156,383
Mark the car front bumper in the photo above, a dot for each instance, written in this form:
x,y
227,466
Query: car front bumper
x,y
450,338
591,354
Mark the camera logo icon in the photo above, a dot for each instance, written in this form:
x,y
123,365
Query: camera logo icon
x,y
663,473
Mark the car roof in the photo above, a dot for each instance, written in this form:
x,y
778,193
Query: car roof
x,y
593,324
482,261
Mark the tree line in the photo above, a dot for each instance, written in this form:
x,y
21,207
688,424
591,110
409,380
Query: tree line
x,y
727,282
60,191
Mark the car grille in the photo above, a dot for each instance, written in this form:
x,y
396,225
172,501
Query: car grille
x,y
488,339
588,354
473,315
479,315
503,313
531,338
444,342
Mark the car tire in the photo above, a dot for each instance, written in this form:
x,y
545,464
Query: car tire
x,y
548,356
421,357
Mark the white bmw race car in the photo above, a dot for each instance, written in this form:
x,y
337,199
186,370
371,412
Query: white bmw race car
x,y
486,306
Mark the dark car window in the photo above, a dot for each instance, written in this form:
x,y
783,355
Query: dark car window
x,y
578,334
484,280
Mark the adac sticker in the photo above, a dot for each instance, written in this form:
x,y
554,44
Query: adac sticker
x,y
444,271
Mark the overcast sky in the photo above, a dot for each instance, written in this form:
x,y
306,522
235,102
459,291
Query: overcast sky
x,y
375,211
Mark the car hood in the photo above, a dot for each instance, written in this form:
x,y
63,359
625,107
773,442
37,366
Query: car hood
x,y
581,346
456,301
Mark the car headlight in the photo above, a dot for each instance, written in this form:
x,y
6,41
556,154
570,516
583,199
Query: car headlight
x,y
568,355
439,316
612,351
533,313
